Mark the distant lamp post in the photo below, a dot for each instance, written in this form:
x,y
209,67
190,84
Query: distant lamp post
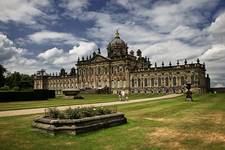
x,y
188,93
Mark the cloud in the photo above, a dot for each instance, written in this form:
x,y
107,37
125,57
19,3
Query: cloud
x,y
216,53
16,59
218,26
51,36
83,48
171,50
184,32
164,16
7,48
74,5
74,8
51,53
23,11
59,57
218,85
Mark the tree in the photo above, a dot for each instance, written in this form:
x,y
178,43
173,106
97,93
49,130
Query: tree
x,y
13,79
2,77
20,81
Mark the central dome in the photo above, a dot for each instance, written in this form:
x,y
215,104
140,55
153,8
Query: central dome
x,y
117,41
117,47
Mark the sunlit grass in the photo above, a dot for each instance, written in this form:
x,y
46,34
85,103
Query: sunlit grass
x,y
167,124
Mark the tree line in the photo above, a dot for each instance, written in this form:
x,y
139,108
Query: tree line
x,y
15,81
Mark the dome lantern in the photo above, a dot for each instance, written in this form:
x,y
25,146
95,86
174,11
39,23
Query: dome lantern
x,y
117,34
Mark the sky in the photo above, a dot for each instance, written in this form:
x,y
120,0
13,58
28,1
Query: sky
x,y
52,34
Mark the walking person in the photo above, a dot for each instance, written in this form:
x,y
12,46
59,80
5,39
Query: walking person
x,y
120,96
123,95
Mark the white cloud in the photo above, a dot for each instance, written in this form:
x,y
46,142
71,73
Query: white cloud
x,y
171,51
216,53
215,60
218,26
165,16
74,5
184,32
14,58
51,53
60,58
21,11
51,36
74,8
70,58
218,85
7,48
83,48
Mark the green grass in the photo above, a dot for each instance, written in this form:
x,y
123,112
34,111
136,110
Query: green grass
x,y
154,125
88,99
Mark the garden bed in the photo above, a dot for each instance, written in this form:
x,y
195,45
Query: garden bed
x,y
54,125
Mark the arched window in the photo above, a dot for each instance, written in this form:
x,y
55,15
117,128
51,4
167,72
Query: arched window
x,y
139,82
159,81
182,80
99,70
167,81
192,79
146,82
152,82
132,82
174,81
106,70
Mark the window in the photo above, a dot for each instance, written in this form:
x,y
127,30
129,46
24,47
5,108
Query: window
x,y
132,82
182,80
99,69
159,81
139,82
146,82
192,79
174,81
152,81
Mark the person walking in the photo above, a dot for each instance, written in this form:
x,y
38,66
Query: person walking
x,y
120,96
123,95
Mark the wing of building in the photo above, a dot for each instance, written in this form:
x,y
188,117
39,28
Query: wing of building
x,y
121,70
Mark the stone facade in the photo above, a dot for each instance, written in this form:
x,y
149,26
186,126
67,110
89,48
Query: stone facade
x,y
121,70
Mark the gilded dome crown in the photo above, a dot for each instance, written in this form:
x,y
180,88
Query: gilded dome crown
x,y
117,41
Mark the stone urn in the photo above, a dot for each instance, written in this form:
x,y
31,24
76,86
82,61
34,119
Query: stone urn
x,y
74,93
188,93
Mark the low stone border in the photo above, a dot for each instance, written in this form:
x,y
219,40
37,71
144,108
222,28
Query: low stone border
x,y
77,126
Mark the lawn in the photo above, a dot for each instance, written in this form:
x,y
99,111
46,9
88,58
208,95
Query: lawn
x,y
166,124
88,99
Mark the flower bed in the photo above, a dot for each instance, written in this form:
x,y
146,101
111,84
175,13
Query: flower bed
x,y
79,120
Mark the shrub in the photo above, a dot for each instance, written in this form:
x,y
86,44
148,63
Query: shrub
x,y
72,113
4,88
78,97
55,113
16,88
26,96
78,113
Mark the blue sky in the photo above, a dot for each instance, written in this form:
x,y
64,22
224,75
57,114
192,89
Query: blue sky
x,y
53,34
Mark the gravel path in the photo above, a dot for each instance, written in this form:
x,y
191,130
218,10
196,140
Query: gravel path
x,y
41,110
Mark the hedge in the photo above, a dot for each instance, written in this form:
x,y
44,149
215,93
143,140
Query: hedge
x,y
27,96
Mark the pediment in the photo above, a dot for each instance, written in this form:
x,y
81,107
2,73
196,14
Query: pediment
x,y
99,58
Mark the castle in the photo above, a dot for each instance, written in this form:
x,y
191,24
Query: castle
x,y
121,70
